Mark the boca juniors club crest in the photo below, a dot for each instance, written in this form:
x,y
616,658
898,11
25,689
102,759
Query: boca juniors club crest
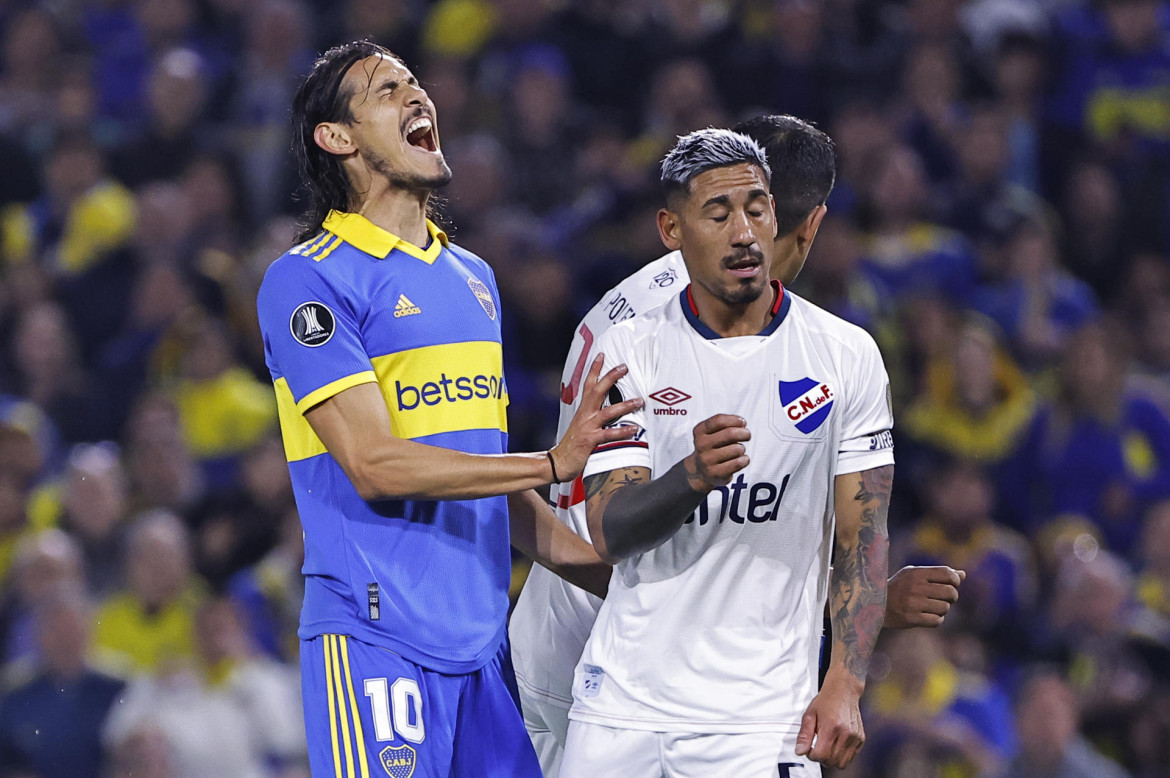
x,y
399,761
484,295
806,403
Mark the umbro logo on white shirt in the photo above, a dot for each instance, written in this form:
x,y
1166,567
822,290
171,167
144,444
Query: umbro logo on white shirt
x,y
670,397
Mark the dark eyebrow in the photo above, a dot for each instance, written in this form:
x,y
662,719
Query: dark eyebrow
x,y
725,200
389,83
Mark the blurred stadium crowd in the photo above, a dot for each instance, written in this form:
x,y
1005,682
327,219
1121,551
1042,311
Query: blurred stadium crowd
x,y
1000,224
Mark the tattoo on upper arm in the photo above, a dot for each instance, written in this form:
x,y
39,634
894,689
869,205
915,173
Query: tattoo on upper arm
x,y
859,572
600,487
594,484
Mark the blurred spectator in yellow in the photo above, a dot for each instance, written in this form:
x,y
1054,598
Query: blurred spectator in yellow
x,y
82,217
44,563
1050,743
223,409
149,626
1100,449
51,724
233,714
958,530
1114,74
925,707
976,402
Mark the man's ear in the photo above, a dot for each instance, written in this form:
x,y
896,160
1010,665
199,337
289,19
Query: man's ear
x,y
669,228
807,231
334,138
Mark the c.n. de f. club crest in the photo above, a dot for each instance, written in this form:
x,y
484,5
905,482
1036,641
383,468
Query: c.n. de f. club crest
x,y
484,295
399,761
806,403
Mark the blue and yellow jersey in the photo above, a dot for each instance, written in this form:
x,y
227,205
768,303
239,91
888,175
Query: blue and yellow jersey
x,y
427,579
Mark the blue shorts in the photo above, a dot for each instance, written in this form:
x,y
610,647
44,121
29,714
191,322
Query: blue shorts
x,y
370,713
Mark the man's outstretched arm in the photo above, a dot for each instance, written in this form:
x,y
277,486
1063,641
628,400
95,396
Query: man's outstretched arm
x,y
355,427
857,606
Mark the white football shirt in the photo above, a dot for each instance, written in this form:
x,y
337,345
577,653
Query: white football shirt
x,y
718,629
552,618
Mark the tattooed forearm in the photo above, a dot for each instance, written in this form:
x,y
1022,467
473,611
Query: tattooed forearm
x,y
628,513
860,567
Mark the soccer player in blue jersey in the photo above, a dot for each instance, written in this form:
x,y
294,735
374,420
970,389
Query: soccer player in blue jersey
x,y
383,340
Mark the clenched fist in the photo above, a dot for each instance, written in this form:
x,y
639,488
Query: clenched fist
x,y
719,452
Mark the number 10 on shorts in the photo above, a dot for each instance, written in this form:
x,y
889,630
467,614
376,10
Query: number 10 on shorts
x,y
401,701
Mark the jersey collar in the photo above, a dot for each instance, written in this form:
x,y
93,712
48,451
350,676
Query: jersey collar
x,y
364,235
779,312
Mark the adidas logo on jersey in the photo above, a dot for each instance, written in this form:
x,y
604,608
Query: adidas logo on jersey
x,y
405,307
670,397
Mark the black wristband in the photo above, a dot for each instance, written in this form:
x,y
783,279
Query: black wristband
x,y
553,465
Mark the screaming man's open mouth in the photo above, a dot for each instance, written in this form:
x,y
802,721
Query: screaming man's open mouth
x,y
420,133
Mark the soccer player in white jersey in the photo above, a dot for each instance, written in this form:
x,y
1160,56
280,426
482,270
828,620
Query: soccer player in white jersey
x,y
703,659
552,620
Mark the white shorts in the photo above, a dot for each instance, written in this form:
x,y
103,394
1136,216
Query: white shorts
x,y
593,750
547,723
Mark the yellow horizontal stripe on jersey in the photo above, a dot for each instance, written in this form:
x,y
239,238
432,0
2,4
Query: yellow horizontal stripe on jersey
x,y
300,442
323,393
448,387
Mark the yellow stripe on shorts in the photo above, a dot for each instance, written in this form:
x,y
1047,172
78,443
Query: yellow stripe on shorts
x,y
349,772
332,707
357,720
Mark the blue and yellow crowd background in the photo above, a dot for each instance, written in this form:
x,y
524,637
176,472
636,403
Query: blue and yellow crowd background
x,y
1000,223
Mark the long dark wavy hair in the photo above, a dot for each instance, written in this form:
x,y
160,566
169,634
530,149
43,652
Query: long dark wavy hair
x,y
320,98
